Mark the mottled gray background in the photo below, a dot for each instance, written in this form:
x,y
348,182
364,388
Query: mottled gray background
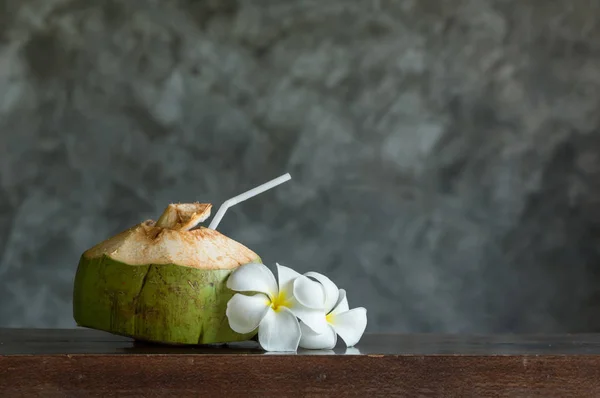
x,y
445,154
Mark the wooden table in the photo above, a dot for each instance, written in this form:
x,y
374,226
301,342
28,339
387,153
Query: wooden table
x,y
86,363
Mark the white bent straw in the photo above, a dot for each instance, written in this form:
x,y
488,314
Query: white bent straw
x,y
246,195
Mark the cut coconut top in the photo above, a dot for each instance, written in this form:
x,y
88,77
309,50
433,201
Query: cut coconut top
x,y
174,242
184,216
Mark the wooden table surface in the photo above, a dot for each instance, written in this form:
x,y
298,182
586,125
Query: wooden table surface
x,y
86,363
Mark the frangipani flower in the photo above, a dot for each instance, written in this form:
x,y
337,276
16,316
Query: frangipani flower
x,y
349,324
274,307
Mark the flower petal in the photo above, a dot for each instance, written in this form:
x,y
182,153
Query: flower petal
x,y
331,290
309,293
253,277
342,304
350,325
286,278
323,341
279,331
314,319
245,312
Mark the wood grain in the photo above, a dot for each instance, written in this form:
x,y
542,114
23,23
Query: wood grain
x,y
94,364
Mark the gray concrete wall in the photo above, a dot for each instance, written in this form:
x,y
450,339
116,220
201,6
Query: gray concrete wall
x,y
445,154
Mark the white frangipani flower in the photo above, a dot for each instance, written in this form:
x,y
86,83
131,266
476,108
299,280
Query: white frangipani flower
x,y
274,307
349,324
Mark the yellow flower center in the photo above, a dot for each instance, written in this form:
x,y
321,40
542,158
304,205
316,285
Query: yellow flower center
x,y
280,301
329,318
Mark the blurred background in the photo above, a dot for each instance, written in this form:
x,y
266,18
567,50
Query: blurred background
x,y
444,153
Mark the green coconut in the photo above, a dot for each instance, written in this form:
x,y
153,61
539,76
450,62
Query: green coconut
x,y
161,281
